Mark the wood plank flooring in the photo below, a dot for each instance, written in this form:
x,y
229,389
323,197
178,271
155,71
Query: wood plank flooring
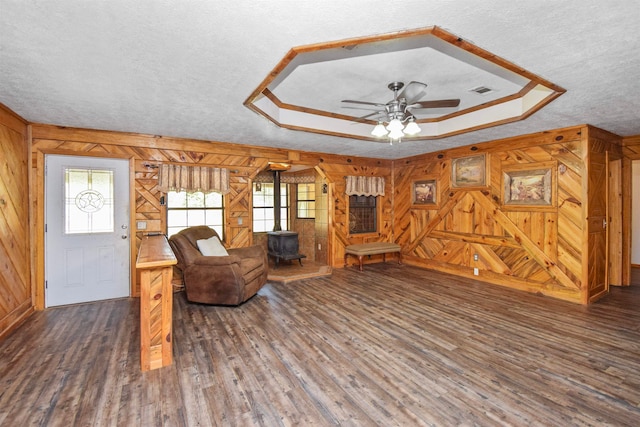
x,y
393,345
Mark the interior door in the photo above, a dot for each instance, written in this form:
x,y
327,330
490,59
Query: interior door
x,y
86,229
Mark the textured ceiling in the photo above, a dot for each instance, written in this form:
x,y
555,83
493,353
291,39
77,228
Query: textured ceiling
x,y
184,68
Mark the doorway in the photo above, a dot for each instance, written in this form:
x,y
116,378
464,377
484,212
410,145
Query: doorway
x,y
86,229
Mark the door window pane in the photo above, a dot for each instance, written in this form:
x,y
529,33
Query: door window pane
x,y
88,201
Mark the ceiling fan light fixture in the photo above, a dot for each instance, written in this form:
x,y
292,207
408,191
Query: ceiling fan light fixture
x,y
412,128
379,131
396,134
395,125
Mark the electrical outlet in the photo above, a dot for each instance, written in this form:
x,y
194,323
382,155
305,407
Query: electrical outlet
x,y
239,220
141,225
476,271
475,257
319,246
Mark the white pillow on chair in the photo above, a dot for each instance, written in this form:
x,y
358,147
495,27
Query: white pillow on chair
x,y
211,247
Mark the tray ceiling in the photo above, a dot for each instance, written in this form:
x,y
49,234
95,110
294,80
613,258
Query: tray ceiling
x,y
298,94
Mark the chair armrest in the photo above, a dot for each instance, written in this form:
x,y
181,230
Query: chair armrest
x,y
217,260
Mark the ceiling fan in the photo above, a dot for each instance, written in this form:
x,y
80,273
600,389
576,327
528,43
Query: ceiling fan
x,y
397,113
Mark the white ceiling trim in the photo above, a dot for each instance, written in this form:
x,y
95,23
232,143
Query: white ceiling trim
x,y
499,113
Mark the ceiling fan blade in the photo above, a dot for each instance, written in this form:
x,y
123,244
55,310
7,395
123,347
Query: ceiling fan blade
x,y
363,107
440,103
364,118
377,104
413,91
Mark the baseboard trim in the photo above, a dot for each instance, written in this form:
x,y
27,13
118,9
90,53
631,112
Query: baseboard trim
x,y
15,318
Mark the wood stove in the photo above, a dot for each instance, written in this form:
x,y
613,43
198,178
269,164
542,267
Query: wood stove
x,y
283,245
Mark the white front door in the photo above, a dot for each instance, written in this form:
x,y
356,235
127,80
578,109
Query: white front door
x,y
86,229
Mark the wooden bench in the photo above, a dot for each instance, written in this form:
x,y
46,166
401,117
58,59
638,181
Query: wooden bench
x,y
374,248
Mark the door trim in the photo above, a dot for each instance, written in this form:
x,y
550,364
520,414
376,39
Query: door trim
x,y
37,236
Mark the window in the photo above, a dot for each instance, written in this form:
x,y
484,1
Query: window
x,y
362,214
88,201
306,200
188,209
263,218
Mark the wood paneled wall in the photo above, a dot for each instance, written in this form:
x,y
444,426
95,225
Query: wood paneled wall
x,y
549,250
321,222
603,213
15,269
630,152
146,152
338,205
553,250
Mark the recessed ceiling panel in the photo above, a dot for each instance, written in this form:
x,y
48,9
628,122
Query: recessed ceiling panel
x,y
304,92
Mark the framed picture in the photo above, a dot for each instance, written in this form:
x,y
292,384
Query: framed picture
x,y
529,185
425,193
469,172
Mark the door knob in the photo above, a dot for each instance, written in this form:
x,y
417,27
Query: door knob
x,y
124,236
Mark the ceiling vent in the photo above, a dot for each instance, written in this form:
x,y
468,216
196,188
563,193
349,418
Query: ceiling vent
x,y
482,90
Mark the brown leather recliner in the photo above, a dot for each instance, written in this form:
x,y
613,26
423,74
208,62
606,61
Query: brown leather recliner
x,y
223,280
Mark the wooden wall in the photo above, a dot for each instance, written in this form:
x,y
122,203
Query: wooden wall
x,y
630,152
338,205
321,222
15,269
146,152
541,249
552,250
601,267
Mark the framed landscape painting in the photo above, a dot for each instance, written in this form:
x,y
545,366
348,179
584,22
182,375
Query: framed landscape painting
x,y
469,172
529,185
425,193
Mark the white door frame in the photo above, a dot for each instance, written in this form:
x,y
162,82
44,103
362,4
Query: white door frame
x,y
122,227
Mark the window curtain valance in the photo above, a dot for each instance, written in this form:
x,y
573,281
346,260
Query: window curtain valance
x,y
298,179
263,177
365,186
193,178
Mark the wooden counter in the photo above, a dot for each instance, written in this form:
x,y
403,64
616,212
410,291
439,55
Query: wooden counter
x,y
155,264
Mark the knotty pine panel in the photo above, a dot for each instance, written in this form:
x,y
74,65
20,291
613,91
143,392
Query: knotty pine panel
x,y
597,200
549,243
340,237
602,148
630,152
462,216
631,147
245,162
452,252
553,239
615,209
147,196
15,278
569,154
488,259
430,247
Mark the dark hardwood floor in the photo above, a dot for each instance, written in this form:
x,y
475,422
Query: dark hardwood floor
x,y
393,345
